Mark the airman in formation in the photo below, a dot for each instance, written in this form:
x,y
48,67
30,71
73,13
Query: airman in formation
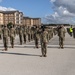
x,y
5,37
61,34
38,34
12,34
44,42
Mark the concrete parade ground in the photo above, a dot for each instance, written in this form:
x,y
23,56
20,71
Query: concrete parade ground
x,y
25,59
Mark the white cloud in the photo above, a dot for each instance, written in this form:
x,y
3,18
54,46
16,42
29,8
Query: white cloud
x,y
69,4
52,1
6,9
64,12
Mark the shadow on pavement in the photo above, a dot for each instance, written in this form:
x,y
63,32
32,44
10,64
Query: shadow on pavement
x,y
21,46
58,47
18,54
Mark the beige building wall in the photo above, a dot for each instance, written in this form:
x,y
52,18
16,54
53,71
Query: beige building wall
x,y
5,19
20,18
27,21
16,14
36,21
1,18
16,18
31,21
23,21
9,18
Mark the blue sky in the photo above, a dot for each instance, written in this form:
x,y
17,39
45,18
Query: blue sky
x,y
31,8
50,11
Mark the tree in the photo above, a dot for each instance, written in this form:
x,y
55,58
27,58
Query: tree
x,y
9,25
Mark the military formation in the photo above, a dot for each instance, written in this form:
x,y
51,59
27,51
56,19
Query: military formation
x,y
39,34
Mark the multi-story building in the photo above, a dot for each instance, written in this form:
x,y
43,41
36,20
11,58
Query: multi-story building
x,y
1,18
26,21
31,21
14,17
20,18
36,21
8,17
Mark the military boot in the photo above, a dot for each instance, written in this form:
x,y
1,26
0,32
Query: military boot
x,y
12,46
6,49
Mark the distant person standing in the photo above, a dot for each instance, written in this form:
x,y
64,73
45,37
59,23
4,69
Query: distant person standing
x,y
5,37
36,37
29,33
71,31
74,32
44,42
0,33
12,36
61,34
21,35
24,33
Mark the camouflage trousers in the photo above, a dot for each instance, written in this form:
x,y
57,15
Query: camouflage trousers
x,y
20,37
32,36
36,42
5,41
0,36
12,41
61,41
44,48
29,37
24,36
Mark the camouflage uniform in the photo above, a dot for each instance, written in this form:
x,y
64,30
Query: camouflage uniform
x,y
24,33
17,30
36,37
29,33
32,33
74,32
0,33
12,36
51,32
48,36
61,34
54,30
5,37
20,34
44,42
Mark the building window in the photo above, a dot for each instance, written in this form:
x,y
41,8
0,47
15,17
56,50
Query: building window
x,y
6,18
17,21
6,15
17,14
11,18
